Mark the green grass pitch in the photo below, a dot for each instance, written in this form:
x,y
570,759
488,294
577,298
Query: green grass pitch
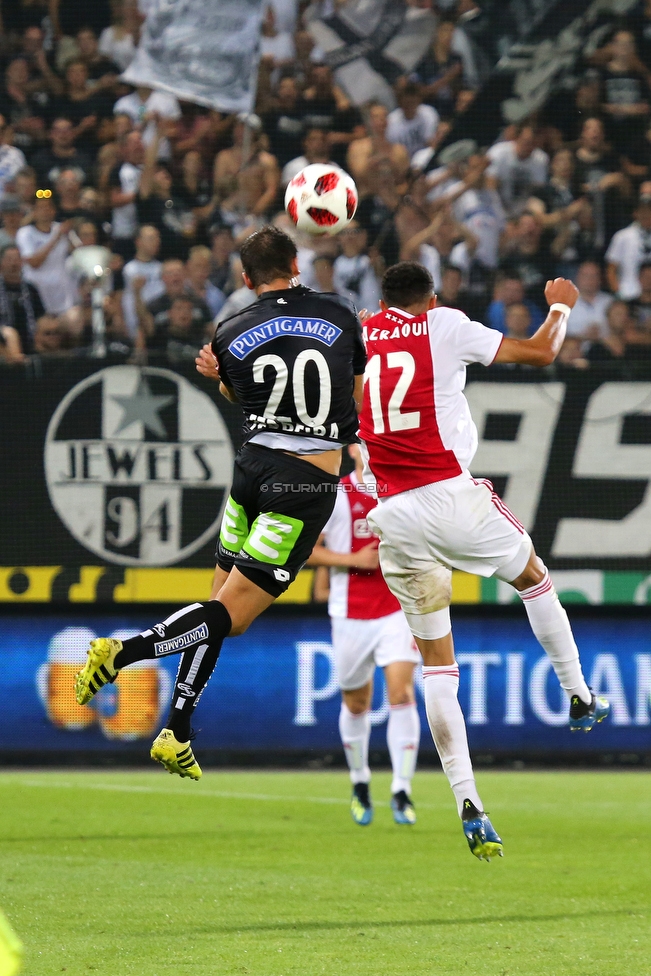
x,y
142,874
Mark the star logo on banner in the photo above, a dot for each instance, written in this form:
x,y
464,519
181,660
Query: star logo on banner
x,y
142,406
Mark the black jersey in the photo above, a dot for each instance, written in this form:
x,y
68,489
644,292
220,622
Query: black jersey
x,y
291,358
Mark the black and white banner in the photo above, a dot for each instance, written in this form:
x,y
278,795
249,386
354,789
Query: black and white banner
x,y
202,51
369,44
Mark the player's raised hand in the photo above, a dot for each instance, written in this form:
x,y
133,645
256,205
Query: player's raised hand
x,y
561,290
367,558
207,363
364,315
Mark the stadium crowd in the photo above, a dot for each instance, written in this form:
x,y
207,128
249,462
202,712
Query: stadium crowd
x,y
172,189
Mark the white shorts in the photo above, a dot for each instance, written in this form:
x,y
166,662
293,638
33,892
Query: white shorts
x,y
360,645
460,523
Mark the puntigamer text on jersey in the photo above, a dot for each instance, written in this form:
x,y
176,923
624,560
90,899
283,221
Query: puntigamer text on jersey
x,y
245,343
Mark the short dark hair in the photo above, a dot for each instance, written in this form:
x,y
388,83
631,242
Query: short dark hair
x,y
406,284
267,255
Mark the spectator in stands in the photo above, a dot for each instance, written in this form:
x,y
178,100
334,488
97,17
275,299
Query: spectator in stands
x,y
146,108
625,93
154,318
326,107
198,283
49,338
246,177
315,150
119,41
147,270
613,345
588,318
525,251
222,246
83,106
323,270
284,122
12,160
571,354
193,188
519,168
12,219
102,72
413,124
21,108
508,291
61,154
25,186
558,194
276,47
182,335
629,248
240,296
123,182
598,175
20,302
517,319
42,78
111,154
68,194
44,246
441,70
376,214
640,308
450,290
158,205
354,277
367,154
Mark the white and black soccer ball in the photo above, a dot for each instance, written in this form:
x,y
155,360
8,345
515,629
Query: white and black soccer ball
x,y
321,199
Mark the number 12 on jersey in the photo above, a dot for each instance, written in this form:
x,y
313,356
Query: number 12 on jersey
x,y
376,377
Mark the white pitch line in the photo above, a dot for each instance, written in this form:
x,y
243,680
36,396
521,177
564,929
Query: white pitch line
x,y
219,794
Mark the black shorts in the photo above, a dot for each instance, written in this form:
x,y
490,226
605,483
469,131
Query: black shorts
x,y
274,515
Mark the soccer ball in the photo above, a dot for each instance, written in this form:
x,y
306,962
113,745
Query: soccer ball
x,y
321,199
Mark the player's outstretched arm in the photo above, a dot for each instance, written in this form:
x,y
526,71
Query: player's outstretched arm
x,y
544,346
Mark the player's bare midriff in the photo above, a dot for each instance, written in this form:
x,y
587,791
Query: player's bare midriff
x,y
329,461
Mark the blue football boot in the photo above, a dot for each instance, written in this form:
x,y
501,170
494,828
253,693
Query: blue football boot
x,y
402,807
483,840
361,808
583,717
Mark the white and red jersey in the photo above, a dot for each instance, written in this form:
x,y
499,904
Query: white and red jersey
x,y
360,595
415,421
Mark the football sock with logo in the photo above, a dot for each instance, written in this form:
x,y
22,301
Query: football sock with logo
x,y
448,730
196,624
551,626
403,738
355,732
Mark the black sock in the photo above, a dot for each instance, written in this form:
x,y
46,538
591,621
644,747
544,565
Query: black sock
x,y
195,670
199,623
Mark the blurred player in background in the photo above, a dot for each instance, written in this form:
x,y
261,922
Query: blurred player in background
x,y
295,361
418,440
368,629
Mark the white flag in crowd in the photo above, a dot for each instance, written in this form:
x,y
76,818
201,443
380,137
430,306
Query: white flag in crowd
x,y
371,43
203,51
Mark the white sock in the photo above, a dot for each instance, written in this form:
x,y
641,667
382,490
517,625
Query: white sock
x,y
355,732
448,730
403,739
551,626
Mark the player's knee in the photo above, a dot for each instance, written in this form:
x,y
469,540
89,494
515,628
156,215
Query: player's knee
x,y
424,592
239,627
533,573
357,701
401,696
